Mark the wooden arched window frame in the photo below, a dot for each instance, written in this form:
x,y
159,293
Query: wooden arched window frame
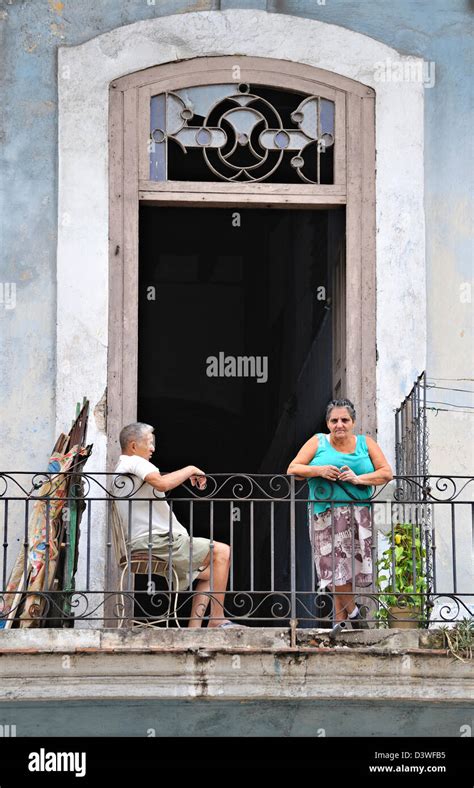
x,y
353,187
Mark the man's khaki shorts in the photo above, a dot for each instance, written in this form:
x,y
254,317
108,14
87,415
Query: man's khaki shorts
x,y
185,552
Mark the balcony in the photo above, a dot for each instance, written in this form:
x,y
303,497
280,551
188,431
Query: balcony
x,y
90,577
84,628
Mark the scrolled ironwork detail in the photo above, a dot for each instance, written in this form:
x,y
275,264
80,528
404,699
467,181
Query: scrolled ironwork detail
x,y
241,133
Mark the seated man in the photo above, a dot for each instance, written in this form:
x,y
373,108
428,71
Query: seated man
x,y
137,442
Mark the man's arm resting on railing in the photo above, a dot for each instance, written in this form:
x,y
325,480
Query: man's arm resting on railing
x,y
171,480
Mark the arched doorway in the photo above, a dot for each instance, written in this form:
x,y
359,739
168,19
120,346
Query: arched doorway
x,y
241,231
244,134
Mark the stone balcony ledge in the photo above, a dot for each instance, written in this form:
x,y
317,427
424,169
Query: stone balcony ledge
x,y
253,663
245,639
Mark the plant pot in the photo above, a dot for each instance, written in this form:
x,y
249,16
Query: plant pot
x,y
397,617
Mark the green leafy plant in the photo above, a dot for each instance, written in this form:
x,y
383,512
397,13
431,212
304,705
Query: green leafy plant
x,y
397,563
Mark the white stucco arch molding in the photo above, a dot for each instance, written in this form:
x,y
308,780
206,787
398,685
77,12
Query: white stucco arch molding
x,y
84,75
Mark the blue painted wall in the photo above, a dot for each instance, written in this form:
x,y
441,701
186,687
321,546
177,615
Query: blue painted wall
x,y
436,30
177,718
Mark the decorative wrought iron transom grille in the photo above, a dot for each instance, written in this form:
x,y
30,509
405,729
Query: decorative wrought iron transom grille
x,y
242,133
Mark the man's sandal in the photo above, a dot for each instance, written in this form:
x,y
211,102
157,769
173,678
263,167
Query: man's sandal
x,y
228,624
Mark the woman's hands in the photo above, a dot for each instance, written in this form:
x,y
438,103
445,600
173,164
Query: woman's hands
x,y
346,475
334,474
329,472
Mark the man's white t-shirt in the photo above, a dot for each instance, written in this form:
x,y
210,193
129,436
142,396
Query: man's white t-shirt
x,y
140,514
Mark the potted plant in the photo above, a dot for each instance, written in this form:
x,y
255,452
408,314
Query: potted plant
x,y
401,604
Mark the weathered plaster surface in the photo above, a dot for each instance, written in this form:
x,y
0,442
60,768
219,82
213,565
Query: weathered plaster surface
x,y
246,683
252,663
287,717
30,34
84,76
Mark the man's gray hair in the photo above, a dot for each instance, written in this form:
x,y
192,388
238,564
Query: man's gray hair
x,y
341,403
134,432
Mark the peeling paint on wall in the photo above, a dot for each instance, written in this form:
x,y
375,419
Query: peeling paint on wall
x,y
56,6
100,413
28,79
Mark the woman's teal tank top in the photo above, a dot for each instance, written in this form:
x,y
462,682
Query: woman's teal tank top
x,y
358,461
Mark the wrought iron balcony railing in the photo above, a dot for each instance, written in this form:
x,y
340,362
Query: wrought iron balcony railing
x,y
418,542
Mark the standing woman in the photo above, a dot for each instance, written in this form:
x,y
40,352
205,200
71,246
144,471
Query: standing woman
x,y
351,465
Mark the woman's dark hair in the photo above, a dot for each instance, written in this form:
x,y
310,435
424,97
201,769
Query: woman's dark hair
x,y
341,403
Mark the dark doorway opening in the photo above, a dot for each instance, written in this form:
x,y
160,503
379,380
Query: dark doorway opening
x,y
235,357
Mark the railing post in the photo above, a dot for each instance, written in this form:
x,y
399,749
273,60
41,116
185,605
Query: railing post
x,y
293,622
